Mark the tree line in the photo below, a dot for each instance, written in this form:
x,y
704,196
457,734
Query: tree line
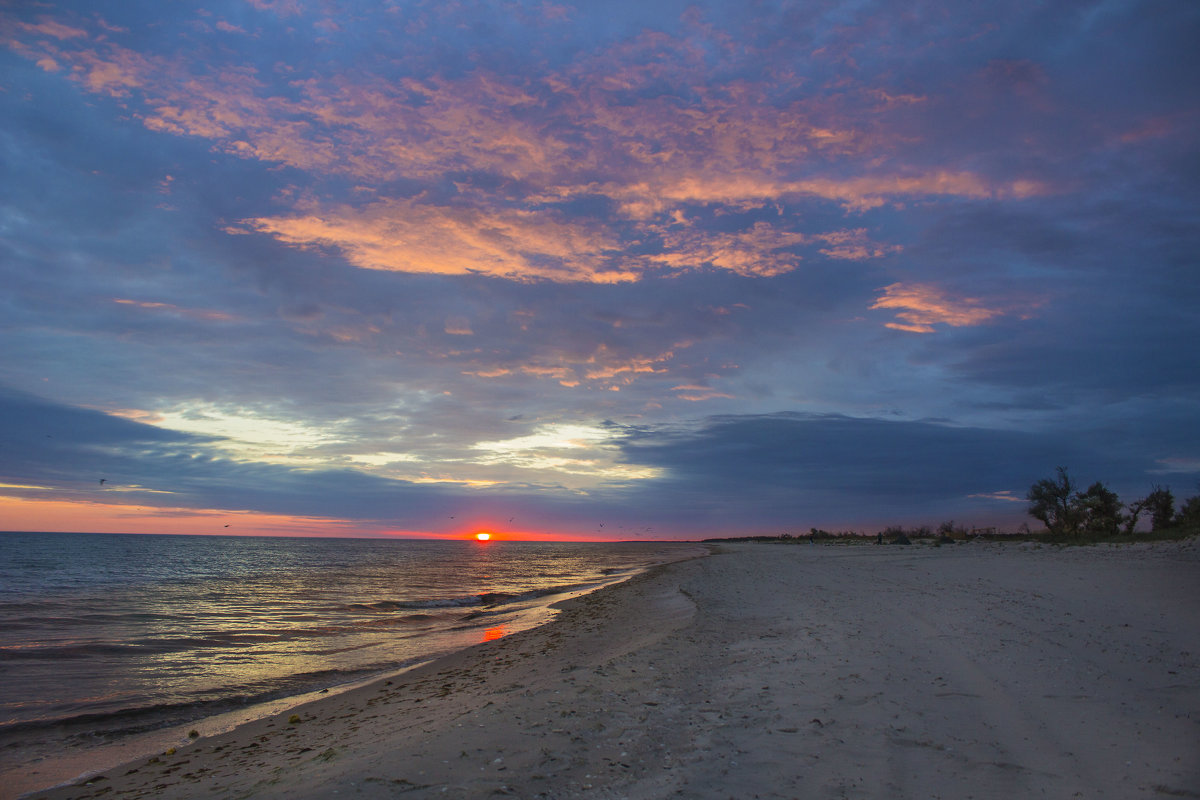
x,y
1097,511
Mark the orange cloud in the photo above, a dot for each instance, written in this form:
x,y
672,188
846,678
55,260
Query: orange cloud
x,y
632,366
407,236
696,394
215,316
923,306
601,366
554,131
866,192
582,132
760,251
854,245
646,198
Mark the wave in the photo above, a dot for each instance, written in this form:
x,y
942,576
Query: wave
x,y
467,601
186,649
119,722
209,640
486,603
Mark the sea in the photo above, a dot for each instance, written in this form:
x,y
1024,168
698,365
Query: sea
x,y
106,635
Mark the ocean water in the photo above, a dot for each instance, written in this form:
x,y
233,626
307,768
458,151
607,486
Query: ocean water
x,y
117,634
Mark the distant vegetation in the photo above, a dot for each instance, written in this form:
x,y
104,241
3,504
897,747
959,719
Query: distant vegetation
x,y
1095,514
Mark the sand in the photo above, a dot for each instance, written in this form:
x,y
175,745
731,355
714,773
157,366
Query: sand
x,y
809,670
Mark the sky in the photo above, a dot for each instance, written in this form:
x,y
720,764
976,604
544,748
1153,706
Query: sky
x,y
592,271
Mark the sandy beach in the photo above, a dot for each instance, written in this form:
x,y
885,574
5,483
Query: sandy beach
x,y
772,671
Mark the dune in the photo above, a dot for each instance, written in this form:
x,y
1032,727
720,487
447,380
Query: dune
x,y
805,670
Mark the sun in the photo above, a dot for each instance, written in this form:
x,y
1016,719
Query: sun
x,y
483,537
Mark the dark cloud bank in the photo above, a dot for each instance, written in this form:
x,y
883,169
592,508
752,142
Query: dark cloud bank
x,y
767,472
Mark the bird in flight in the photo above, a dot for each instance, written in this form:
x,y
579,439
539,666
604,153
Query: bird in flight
x,y
102,480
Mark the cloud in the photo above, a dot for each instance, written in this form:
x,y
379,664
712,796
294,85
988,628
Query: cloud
x,y
48,26
574,175
566,134
59,453
407,236
855,245
458,326
790,468
854,193
751,472
696,394
598,364
55,456
560,217
760,251
924,306
282,7
193,313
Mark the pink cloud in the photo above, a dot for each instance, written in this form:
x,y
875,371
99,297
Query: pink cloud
x,y
1006,495
49,27
113,74
281,7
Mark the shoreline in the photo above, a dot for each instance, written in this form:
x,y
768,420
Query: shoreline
x,y
26,770
977,669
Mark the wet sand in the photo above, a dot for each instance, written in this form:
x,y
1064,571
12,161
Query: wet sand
x,y
772,671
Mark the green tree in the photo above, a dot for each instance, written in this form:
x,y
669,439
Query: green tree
x,y
1189,512
1161,505
1051,502
1135,510
1099,510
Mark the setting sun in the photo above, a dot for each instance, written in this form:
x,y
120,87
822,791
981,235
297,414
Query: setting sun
x,y
483,537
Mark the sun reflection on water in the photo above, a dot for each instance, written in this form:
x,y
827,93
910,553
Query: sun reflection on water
x,y
495,632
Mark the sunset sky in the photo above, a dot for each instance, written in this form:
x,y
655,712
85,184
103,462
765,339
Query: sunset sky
x,y
594,270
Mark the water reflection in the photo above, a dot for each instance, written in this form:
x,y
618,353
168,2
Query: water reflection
x,y
495,632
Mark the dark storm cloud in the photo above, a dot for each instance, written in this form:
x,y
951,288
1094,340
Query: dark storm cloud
x,y
784,469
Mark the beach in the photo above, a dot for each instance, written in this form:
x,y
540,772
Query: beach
x,y
773,671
